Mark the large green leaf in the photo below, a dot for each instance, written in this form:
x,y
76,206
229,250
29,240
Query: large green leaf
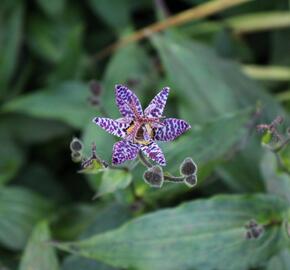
x,y
20,210
204,234
207,142
104,218
280,261
112,180
115,13
26,132
240,171
38,253
66,102
11,21
276,182
208,85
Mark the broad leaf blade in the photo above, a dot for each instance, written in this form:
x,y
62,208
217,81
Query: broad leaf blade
x,y
20,210
204,234
38,253
66,102
207,142
212,86
276,182
113,180
11,33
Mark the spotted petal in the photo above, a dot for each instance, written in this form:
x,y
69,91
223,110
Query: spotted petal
x,y
127,102
154,152
156,106
124,150
115,127
172,129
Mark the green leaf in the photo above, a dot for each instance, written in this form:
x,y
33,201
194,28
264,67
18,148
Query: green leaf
x,y
11,157
26,132
276,182
103,219
51,39
115,13
240,172
38,253
280,261
52,7
49,186
20,210
11,22
66,102
207,142
187,236
208,85
112,180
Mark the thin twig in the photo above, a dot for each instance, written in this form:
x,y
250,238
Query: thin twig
x,y
198,12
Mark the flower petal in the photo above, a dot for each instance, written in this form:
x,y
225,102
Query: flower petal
x,y
172,129
154,152
127,102
115,127
156,106
124,150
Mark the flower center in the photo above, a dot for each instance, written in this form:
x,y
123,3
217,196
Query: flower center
x,y
141,133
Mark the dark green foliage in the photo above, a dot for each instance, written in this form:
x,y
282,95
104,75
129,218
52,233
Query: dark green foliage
x,y
228,73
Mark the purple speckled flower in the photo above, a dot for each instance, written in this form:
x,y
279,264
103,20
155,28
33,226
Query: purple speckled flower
x,y
139,130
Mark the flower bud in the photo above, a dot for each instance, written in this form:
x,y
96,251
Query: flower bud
x,y
190,180
154,176
188,167
95,88
76,145
254,230
76,157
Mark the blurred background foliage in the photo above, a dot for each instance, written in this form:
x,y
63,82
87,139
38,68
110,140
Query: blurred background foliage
x,y
228,69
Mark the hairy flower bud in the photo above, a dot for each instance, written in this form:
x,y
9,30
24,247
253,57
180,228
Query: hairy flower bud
x,y
254,230
76,157
154,176
76,145
188,167
190,180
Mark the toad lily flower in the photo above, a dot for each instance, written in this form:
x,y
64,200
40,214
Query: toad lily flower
x,y
139,130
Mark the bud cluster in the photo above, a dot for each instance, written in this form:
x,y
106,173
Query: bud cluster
x,y
271,130
76,147
254,230
189,169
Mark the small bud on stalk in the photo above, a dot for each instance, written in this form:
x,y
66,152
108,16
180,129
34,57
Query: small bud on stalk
x,y
190,180
188,167
76,145
154,176
76,157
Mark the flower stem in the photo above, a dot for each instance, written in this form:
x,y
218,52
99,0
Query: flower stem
x,y
174,179
144,161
